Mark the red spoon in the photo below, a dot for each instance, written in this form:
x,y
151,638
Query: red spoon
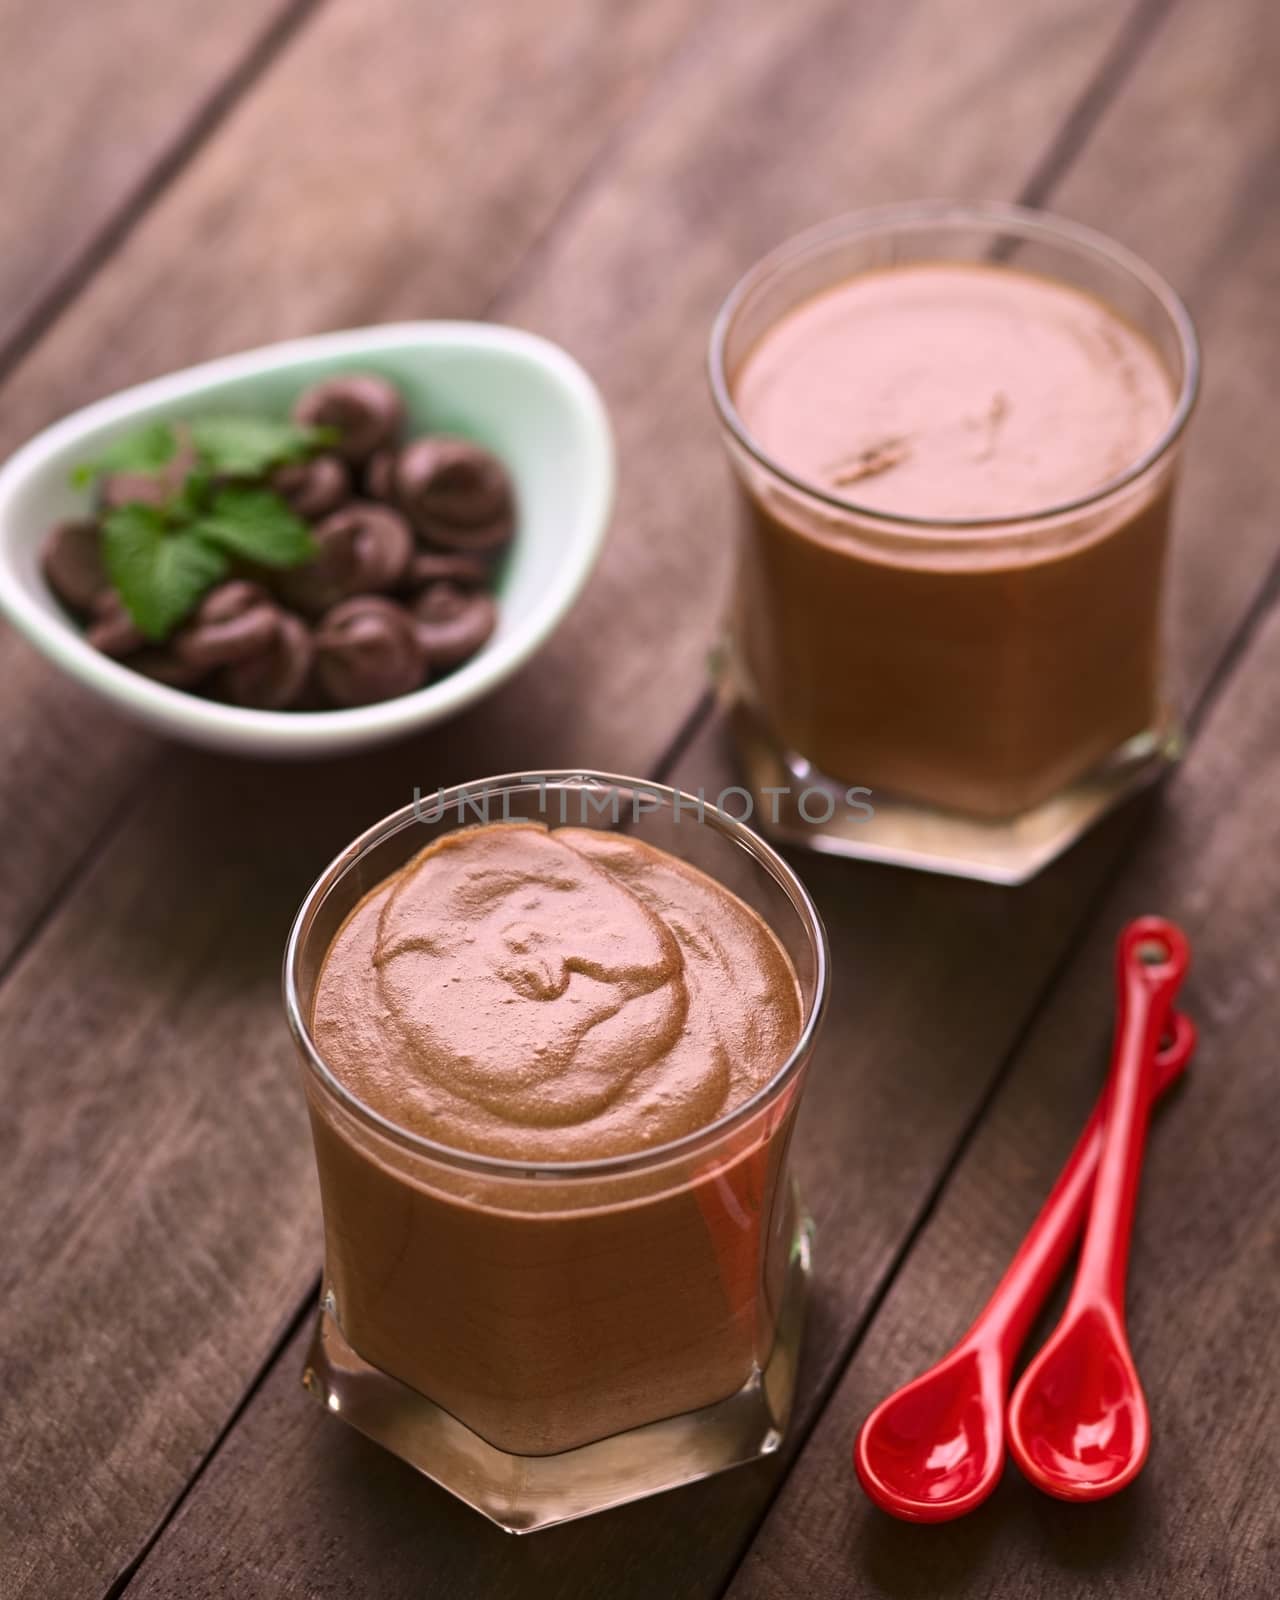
x,y
935,1449
1078,1424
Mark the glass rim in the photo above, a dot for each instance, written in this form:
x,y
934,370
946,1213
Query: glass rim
x,y
604,1166
1021,221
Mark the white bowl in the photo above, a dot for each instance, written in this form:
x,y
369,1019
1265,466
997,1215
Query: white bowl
x,y
523,397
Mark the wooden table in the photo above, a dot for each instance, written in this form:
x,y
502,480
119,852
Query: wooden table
x,y
186,179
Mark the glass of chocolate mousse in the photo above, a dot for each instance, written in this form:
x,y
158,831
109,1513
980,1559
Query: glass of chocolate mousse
x,y
956,432
554,1030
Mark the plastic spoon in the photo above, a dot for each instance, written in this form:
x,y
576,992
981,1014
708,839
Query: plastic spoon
x,y
935,1449
1078,1425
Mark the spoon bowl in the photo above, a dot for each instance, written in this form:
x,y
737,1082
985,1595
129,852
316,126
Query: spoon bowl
x,y
1078,1424
936,1447
1085,1417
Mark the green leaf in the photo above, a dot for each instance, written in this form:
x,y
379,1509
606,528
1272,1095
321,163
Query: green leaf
x,y
256,524
244,447
159,573
194,498
147,450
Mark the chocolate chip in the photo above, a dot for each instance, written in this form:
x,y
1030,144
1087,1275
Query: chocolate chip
x,y
276,677
363,548
130,488
313,488
455,493
434,513
453,623
71,560
430,566
365,411
379,475
165,666
367,649
232,623
111,629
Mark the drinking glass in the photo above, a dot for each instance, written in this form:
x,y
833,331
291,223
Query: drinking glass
x,y
997,684
548,1339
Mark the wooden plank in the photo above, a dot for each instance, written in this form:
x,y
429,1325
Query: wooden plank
x,y
99,109
258,1518
221,1539
182,931
1227,158
872,1141
1204,1301
820,1525
361,182
97,102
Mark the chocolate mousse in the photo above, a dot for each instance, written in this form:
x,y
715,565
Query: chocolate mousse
x,y
943,619
550,997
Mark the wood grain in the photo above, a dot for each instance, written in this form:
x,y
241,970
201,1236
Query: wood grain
x,y
900,1085
363,1513
1144,1544
891,1093
361,181
96,101
1217,157
101,105
276,1550
1204,1301
163,966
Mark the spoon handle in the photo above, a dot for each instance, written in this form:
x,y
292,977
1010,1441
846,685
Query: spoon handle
x,y
1017,1298
1152,957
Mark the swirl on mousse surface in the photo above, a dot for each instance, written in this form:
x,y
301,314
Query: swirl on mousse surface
x,y
553,995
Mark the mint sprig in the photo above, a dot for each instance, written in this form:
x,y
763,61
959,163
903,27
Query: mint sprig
x,y
255,524
148,450
159,571
162,558
227,446
246,447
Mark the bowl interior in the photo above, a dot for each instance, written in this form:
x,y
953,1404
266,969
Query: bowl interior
x,y
493,394
517,394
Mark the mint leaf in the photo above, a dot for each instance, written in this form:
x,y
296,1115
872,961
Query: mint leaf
x,y
147,450
244,447
159,573
256,524
194,498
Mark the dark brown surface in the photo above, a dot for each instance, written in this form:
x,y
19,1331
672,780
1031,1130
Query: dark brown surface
x,y
375,204
139,864
93,117
1204,1297
155,1178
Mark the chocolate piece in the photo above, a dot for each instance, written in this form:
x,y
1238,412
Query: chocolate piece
x,y
111,629
379,475
233,622
166,666
71,560
275,678
364,548
364,410
367,649
432,566
135,488
453,623
455,493
313,488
